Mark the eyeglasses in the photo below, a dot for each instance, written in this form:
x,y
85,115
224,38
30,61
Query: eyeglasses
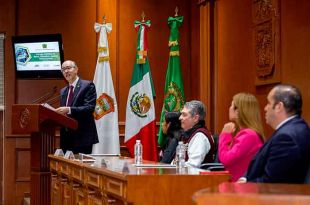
x,y
63,69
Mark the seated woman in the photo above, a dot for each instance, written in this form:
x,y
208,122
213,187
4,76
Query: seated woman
x,y
171,128
242,138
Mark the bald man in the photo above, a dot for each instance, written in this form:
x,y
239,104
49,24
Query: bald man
x,y
78,101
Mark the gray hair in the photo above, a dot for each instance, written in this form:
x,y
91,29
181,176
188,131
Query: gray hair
x,y
72,63
196,107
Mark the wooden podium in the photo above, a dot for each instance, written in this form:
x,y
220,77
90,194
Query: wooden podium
x,y
40,122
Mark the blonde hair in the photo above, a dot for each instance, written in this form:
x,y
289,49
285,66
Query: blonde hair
x,y
248,113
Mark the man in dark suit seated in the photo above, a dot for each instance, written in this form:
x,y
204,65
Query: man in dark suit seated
x,y
78,101
285,157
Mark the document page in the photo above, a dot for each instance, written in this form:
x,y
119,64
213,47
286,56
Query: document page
x,y
48,106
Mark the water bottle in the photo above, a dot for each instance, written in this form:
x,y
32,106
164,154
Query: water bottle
x,y
180,155
138,152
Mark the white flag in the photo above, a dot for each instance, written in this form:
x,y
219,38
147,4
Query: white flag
x,y
106,114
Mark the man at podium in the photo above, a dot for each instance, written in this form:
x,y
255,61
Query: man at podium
x,y
78,101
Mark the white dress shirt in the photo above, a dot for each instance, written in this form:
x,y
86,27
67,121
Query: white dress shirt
x,y
197,149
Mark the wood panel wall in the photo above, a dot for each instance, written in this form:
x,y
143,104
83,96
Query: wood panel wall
x,y
75,19
295,44
7,26
235,71
233,60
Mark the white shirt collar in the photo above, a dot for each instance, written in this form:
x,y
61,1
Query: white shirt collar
x,y
284,121
75,82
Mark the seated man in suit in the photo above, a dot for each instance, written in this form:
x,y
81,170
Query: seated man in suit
x,y
285,157
78,101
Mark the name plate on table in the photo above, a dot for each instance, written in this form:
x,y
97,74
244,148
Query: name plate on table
x,y
100,162
69,155
59,153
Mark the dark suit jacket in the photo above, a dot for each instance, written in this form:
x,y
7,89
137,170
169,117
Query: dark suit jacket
x,y
285,157
82,108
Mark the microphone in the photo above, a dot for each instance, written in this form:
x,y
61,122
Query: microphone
x,y
45,96
53,99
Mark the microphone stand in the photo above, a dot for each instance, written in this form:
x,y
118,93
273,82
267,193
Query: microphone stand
x,y
53,100
46,96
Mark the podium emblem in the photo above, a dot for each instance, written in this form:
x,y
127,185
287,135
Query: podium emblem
x,y
24,118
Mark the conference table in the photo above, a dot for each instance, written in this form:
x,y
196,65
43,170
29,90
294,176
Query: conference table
x,y
117,180
229,193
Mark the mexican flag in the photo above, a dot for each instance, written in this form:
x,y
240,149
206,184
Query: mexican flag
x,y
174,90
106,114
140,111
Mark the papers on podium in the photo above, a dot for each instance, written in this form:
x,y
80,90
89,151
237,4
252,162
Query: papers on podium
x,y
48,106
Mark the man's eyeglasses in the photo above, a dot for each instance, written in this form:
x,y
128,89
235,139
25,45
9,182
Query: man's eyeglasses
x,y
63,69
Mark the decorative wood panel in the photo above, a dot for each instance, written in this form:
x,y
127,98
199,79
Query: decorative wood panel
x,y
22,164
266,38
16,168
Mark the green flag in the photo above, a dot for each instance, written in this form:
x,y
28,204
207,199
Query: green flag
x,y
174,90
